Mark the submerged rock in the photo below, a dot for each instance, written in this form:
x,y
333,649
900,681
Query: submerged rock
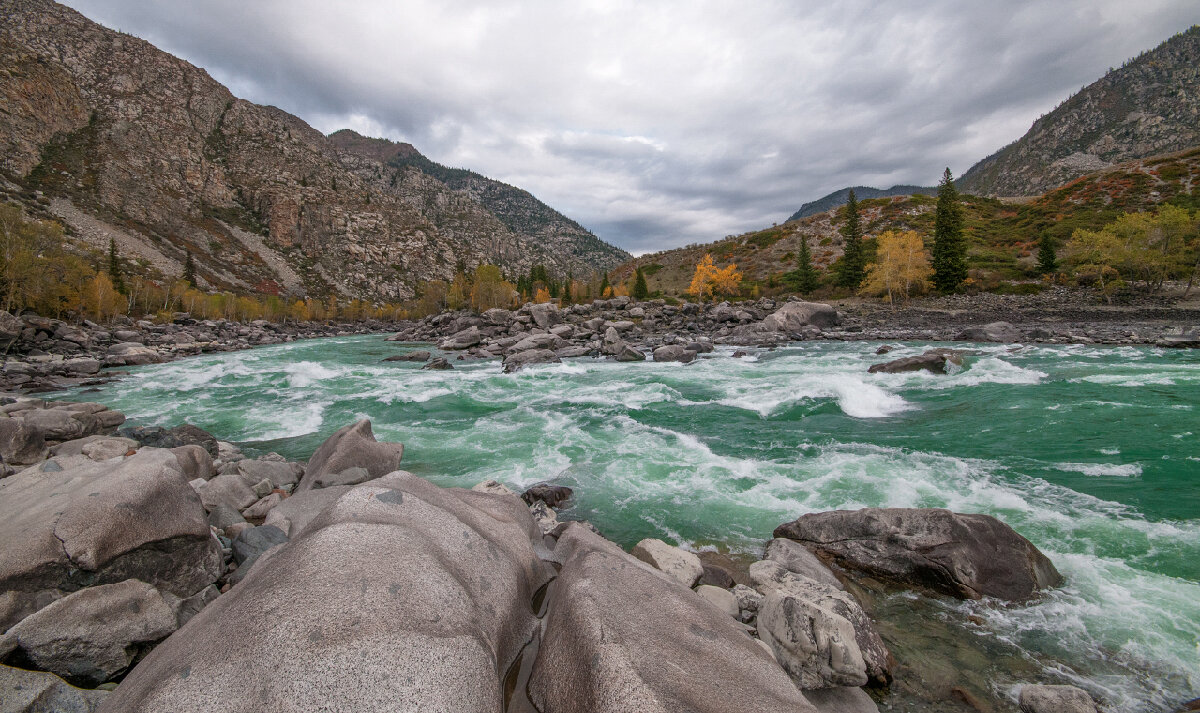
x,y
418,355
518,360
552,495
933,361
1056,699
961,555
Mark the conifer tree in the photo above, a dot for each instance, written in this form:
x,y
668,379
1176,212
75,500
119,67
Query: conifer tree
x,y
1047,257
604,284
852,269
949,242
640,290
114,267
804,278
189,270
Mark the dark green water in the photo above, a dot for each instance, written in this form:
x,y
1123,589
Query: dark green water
x,y
1090,452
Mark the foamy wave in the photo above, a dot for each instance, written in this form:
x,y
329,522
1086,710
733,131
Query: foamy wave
x,y
1128,470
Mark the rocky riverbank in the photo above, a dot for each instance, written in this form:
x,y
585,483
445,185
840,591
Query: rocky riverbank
x,y
43,354
153,569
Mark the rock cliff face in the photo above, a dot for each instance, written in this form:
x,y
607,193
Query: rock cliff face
x,y
1149,106
127,142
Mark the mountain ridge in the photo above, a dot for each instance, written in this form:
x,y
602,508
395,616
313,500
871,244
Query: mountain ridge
x,y
839,197
122,141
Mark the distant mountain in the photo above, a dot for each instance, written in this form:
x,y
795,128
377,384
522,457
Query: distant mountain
x,y
1149,106
839,198
119,140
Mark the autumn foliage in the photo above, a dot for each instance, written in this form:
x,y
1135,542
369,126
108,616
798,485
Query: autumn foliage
x,y
710,280
902,267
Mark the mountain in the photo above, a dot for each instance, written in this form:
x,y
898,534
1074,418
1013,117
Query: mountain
x,y
1149,106
1003,235
839,198
117,139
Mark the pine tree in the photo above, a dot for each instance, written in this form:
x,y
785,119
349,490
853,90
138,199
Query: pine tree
x,y
604,284
114,267
949,242
1047,258
804,278
640,290
189,270
852,269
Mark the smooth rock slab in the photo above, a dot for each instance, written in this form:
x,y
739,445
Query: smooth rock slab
x,y
93,634
961,555
400,596
621,638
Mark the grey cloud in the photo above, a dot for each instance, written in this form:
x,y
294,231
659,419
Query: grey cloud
x,y
669,123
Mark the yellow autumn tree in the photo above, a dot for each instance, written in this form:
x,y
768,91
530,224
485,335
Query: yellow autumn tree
x,y
542,296
490,289
902,266
709,280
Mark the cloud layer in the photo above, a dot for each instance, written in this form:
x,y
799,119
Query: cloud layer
x,y
661,124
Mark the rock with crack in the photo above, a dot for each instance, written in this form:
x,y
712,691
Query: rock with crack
x,y
819,633
351,446
961,555
37,692
620,637
440,580
101,523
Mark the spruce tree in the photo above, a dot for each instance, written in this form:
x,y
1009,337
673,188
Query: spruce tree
x,y
804,278
189,270
114,267
1047,258
640,290
949,242
852,269
604,284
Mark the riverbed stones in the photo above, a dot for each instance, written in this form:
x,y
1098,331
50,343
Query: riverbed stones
x,y
620,638
961,555
1055,699
991,332
680,565
399,596
24,691
352,446
100,523
935,361
91,635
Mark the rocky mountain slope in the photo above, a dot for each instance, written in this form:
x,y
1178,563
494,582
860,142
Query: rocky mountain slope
x,y
839,198
122,141
1003,234
1149,106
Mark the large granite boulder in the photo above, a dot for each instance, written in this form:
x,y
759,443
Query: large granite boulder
x,y
468,337
820,634
620,637
352,446
674,352
961,555
935,361
101,523
519,360
793,317
991,332
91,635
545,314
399,596
37,692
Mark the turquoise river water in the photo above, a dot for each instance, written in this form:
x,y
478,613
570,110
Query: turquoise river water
x,y
1091,452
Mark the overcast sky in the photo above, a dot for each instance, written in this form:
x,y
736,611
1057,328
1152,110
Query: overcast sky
x,y
657,124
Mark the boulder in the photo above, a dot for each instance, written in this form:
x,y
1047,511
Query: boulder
x,y
518,360
54,424
10,330
674,352
222,516
680,565
351,446
194,460
131,354
793,317
545,315
399,596
467,338
612,343
278,473
934,361
230,490
846,699
544,516
92,635
438,364
37,692
621,638
991,332
722,599
716,576
805,621
350,476
961,555
1055,699
628,353
101,523
537,341
494,487
187,434
259,510
796,558
20,444
296,512
552,495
